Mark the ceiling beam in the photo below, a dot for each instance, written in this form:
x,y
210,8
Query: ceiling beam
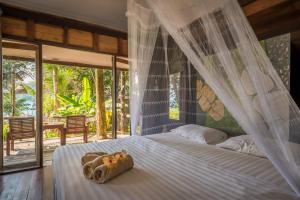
x,y
295,37
258,6
65,63
121,60
21,46
276,20
245,2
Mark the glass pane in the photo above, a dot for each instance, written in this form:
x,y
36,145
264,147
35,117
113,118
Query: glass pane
x,y
174,80
105,107
122,100
19,105
72,91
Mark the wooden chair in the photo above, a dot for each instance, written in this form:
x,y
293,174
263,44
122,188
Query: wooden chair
x,y
19,128
76,124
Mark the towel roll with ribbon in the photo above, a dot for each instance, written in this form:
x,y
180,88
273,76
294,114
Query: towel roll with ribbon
x,y
112,168
88,168
90,156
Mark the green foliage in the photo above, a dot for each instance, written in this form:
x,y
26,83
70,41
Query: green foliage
x,y
78,104
5,130
76,93
22,69
92,127
51,134
107,81
24,72
174,113
76,96
85,98
108,120
69,100
29,90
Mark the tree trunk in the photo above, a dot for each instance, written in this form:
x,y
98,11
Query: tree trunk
x,y
55,87
13,92
122,104
100,105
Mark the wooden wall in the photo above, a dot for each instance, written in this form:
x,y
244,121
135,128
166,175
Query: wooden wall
x,y
47,29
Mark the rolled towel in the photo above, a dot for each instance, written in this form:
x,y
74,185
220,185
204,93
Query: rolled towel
x,y
116,167
88,168
91,156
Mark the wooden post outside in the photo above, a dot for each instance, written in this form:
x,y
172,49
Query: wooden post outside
x,y
100,105
13,91
114,94
55,86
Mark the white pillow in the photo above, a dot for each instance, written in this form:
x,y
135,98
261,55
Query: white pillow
x,y
201,134
242,144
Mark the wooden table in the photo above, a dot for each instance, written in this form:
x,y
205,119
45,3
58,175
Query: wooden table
x,y
58,126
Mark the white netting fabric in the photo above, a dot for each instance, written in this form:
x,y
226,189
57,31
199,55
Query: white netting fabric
x,y
214,38
143,28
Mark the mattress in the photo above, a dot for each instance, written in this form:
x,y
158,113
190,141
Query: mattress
x,y
241,163
169,167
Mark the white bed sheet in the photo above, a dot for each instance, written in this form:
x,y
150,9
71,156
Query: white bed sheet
x,y
241,163
168,167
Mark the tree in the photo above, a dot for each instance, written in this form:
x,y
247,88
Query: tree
x,y
14,74
122,103
100,105
13,91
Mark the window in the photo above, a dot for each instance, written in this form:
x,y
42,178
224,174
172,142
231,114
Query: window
x,y
174,83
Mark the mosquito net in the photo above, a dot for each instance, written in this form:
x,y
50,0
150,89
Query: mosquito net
x,y
173,42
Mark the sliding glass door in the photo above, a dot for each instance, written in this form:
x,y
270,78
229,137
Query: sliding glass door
x,y
122,98
100,92
21,106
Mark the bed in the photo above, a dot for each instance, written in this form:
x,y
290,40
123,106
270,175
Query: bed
x,y
169,167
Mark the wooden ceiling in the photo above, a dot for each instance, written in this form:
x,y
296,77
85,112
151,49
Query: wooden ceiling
x,y
272,17
267,17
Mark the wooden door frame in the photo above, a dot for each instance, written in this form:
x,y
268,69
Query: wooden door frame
x,y
39,104
1,95
37,47
39,99
114,96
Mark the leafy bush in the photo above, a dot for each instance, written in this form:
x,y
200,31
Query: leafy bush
x,y
51,134
5,131
174,113
78,104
